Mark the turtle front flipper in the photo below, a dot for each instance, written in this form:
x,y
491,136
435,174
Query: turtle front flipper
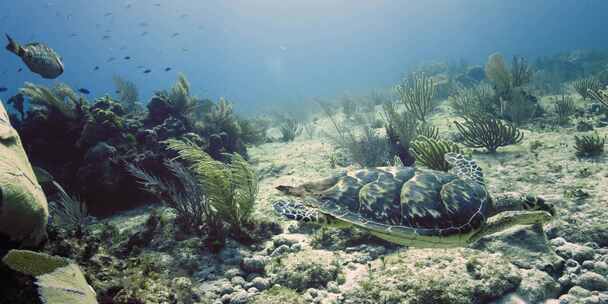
x,y
507,219
296,211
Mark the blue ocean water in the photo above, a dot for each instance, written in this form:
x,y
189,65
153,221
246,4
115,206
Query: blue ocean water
x,y
267,52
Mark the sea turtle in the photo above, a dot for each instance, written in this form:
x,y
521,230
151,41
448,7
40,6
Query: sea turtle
x,y
414,207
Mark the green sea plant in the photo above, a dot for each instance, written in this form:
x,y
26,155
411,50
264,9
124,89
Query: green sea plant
x,y
403,127
185,196
68,211
290,128
231,188
564,107
600,96
254,131
518,108
589,145
478,100
309,130
349,106
430,152
487,132
585,86
416,94
61,99
362,143
498,74
127,92
521,72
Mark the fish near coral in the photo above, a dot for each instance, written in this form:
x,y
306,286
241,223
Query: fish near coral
x,y
23,206
38,57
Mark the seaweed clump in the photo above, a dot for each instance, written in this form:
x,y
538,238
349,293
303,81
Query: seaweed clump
x,y
430,152
208,193
489,133
589,145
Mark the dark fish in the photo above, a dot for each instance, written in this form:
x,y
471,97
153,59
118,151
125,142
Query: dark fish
x,y
174,35
147,71
3,89
157,4
127,57
144,33
106,37
107,14
140,66
143,24
84,91
19,70
128,5
117,91
183,15
38,57
167,69
73,35
96,68
111,59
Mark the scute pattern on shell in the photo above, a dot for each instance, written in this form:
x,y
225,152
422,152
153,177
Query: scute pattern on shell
x,y
423,202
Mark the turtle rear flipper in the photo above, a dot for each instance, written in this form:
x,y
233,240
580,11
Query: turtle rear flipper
x,y
295,211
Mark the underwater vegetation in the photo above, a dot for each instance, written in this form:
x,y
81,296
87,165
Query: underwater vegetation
x,y
197,183
77,140
589,145
489,133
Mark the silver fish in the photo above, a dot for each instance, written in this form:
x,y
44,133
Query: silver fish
x,y
38,57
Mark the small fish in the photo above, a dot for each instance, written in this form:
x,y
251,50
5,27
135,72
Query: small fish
x,y
143,24
183,15
174,35
157,4
128,5
73,35
147,71
117,91
111,59
19,70
106,37
124,47
96,68
38,57
84,91
144,33
167,69
3,89
140,67
127,57
108,14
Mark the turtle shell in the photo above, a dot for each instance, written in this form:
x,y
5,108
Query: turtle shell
x,y
431,203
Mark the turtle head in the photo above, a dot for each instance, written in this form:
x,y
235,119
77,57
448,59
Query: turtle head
x,y
517,201
536,203
297,211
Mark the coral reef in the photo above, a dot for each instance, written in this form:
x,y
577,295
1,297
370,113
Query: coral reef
x,y
92,141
